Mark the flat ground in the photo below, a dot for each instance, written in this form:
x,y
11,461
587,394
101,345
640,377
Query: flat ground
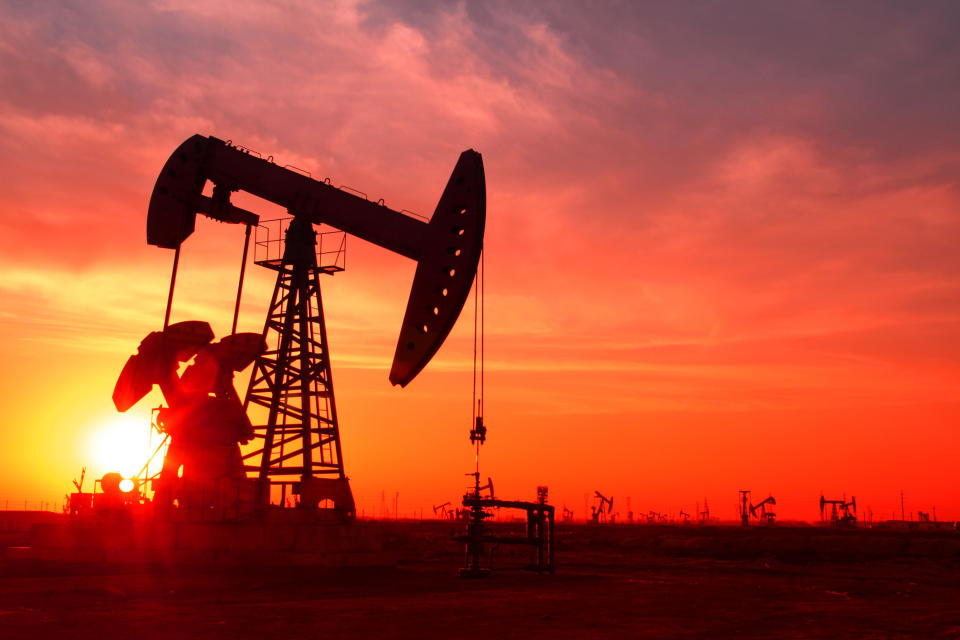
x,y
611,582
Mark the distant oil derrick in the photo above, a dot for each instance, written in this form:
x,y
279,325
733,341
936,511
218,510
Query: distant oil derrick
x,y
703,515
744,507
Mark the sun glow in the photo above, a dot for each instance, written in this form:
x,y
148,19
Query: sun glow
x,y
121,443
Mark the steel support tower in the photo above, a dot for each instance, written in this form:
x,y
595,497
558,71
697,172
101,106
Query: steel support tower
x,y
297,455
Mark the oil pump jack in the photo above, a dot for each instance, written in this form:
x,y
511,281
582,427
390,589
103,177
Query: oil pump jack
x,y
602,509
842,513
761,512
296,450
444,511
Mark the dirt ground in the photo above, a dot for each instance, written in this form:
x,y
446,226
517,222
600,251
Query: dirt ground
x,y
611,582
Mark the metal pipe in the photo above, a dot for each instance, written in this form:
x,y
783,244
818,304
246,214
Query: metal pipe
x,y
173,281
243,268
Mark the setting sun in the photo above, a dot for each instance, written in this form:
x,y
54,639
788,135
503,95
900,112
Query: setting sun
x,y
121,443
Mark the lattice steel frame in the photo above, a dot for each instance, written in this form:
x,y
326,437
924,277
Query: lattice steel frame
x,y
292,380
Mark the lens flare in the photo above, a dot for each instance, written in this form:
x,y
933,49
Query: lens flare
x,y
121,443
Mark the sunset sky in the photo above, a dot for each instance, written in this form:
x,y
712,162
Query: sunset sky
x,y
721,248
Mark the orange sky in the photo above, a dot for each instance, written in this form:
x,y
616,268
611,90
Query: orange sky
x,y
721,242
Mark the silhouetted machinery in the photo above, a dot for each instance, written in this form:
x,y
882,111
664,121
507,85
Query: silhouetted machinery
x,y
602,508
204,418
745,507
481,541
289,412
704,514
78,501
444,511
684,517
762,513
567,515
116,494
842,513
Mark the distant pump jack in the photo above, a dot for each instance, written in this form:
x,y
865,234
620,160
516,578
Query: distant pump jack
x,y
842,513
601,512
762,513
